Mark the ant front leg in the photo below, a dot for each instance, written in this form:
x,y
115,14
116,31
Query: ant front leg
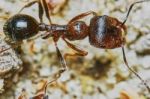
x,y
79,51
82,15
126,63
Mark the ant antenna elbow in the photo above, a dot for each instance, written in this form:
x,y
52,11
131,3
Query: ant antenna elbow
x,y
130,8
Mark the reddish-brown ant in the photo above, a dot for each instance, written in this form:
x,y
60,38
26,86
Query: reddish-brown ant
x,y
103,32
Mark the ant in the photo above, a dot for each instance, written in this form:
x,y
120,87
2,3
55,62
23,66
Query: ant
x,y
104,32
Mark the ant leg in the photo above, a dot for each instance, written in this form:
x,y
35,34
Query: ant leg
x,y
125,60
41,12
3,50
46,35
23,94
12,45
40,94
40,8
82,15
62,70
79,51
29,4
47,11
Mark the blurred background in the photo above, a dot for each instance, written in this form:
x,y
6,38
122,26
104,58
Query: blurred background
x,y
102,74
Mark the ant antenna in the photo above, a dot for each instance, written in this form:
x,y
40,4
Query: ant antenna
x,y
131,9
124,56
126,63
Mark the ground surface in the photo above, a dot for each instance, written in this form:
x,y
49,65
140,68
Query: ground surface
x,y
102,73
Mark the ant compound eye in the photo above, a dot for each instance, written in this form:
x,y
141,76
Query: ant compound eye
x,y
20,27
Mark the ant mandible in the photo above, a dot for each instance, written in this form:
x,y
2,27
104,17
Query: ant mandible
x,y
104,32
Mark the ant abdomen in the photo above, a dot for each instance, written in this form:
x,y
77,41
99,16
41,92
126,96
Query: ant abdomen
x,y
20,27
106,32
76,31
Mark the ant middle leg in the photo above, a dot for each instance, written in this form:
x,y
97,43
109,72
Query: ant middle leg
x,y
82,15
79,51
126,63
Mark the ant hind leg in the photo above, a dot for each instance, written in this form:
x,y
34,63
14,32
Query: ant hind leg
x,y
28,5
47,11
10,44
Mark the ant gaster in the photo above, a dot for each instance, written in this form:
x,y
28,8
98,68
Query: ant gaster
x,y
103,32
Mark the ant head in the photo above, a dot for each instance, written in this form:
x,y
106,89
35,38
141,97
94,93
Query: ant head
x,y
106,32
20,27
76,30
